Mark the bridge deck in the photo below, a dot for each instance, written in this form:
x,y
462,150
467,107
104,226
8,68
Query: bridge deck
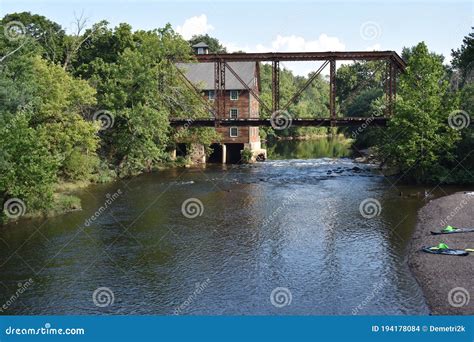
x,y
316,122
305,56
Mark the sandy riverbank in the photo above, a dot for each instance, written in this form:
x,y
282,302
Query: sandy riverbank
x,y
438,275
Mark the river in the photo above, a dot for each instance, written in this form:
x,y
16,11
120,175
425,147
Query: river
x,y
285,225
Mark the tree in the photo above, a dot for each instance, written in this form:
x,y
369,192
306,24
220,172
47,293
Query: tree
x,y
355,79
44,35
214,45
138,82
28,170
418,139
44,137
463,58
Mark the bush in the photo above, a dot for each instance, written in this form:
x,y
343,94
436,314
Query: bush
x,y
246,155
80,166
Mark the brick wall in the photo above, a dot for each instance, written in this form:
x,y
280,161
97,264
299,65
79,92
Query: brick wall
x,y
248,107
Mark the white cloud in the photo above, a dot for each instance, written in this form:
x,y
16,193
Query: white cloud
x,y
299,44
295,43
194,26
375,47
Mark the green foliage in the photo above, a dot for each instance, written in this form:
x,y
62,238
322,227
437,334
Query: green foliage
x,y
368,103
140,86
356,82
419,140
463,58
246,155
313,102
52,84
43,36
28,170
214,45
64,203
334,146
58,118
43,136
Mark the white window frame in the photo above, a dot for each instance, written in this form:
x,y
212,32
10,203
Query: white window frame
x,y
236,115
230,132
232,92
213,97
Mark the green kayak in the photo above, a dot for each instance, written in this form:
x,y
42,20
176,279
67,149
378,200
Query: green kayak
x,y
453,230
445,251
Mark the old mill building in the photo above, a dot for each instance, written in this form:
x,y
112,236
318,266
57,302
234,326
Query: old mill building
x,y
239,104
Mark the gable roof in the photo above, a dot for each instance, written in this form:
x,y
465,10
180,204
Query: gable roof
x,y
202,74
200,44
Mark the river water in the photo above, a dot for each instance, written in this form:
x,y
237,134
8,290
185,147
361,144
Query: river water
x,y
286,226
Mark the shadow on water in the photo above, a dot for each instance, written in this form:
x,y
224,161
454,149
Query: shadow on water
x,y
286,223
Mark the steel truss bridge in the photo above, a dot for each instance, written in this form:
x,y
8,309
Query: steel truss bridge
x,y
394,65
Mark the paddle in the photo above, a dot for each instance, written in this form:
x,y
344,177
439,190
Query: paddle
x,y
466,250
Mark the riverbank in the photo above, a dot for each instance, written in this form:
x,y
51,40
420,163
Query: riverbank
x,y
446,281
65,200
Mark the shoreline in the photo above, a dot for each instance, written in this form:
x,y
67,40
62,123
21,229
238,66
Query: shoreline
x,y
445,280
64,195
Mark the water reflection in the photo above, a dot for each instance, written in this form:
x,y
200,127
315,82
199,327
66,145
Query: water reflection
x,y
282,223
307,149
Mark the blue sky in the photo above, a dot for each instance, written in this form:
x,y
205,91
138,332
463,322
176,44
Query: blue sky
x,y
281,25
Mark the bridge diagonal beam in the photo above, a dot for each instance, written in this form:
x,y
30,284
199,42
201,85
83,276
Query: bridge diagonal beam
x,y
254,94
222,98
306,85
196,91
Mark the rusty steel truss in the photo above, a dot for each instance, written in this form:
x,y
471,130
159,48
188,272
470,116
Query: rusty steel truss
x,y
394,64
